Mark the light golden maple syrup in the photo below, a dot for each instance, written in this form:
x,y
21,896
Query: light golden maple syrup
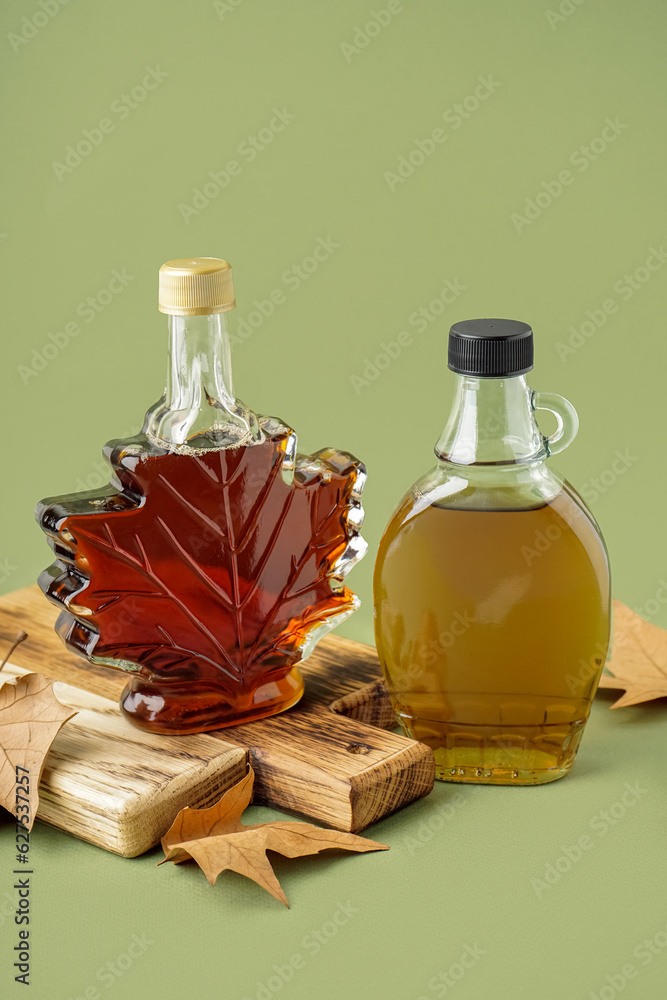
x,y
492,626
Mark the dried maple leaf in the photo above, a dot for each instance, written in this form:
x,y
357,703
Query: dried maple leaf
x,y
30,718
216,567
639,659
217,840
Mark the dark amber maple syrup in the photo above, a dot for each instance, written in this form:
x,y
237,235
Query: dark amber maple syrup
x,y
206,571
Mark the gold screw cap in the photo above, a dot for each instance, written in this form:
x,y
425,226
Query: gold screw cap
x,y
196,286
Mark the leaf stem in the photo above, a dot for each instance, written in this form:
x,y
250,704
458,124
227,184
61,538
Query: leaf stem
x,y
20,636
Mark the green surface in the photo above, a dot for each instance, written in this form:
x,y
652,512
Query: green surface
x,y
551,84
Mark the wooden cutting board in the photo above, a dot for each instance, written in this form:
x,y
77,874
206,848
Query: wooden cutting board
x,y
328,758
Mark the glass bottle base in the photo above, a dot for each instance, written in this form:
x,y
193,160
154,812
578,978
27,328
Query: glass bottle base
x,y
528,769
180,709
498,755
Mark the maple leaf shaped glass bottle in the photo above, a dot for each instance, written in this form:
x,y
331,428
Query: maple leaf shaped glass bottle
x,y
492,593
214,560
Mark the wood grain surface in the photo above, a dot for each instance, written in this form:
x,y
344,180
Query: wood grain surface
x,y
119,788
333,766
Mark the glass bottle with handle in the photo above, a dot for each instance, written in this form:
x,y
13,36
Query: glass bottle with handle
x,y
492,588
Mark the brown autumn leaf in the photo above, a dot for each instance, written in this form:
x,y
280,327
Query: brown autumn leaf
x,y
639,659
217,840
30,718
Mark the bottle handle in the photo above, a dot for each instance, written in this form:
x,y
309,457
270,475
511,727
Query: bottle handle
x,y
566,417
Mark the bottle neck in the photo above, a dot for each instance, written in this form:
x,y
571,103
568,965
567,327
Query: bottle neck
x,y
199,408
492,421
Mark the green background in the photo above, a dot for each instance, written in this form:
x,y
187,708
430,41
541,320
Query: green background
x,y
557,78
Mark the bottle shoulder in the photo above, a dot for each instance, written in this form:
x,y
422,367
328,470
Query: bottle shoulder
x,y
488,488
440,511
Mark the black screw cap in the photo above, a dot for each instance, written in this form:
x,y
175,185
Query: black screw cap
x,y
490,348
